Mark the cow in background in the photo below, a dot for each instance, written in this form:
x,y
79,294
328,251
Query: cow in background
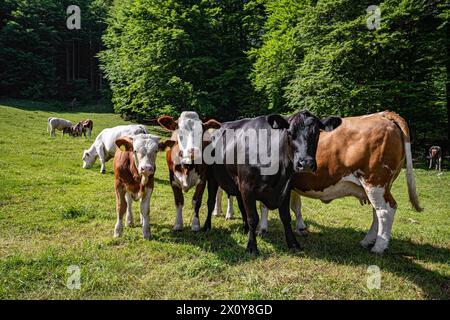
x,y
60,124
104,146
435,154
84,127
184,160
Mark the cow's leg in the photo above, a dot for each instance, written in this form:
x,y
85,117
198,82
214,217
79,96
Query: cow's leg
x,y
243,213
385,205
249,203
179,202
371,236
440,163
296,206
102,158
218,207
264,222
212,192
431,163
230,211
129,216
145,213
285,217
196,204
121,207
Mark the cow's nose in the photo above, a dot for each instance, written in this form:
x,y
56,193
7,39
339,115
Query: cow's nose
x,y
147,169
307,165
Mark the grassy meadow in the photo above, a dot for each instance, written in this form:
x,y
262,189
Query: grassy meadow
x,y
55,214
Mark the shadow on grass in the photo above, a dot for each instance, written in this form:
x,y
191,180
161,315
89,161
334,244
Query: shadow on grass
x,y
341,245
218,241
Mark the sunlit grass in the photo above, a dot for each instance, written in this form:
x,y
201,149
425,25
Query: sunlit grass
x,y
54,214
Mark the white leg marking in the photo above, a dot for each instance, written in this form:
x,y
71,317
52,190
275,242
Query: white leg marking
x,y
218,207
118,227
296,207
263,222
129,216
179,219
371,236
385,215
230,210
195,222
145,213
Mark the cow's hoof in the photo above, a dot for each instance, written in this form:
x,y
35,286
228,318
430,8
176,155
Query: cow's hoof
x,y
217,213
253,250
195,228
206,228
229,216
261,232
366,244
302,232
147,236
178,227
377,250
129,224
117,234
102,171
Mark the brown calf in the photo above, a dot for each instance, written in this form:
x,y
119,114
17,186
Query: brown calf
x,y
134,169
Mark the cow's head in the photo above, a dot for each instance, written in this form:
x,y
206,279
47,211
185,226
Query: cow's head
x,y
187,133
144,148
88,158
303,129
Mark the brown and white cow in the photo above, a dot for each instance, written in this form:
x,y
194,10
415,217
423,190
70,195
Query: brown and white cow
x,y
134,169
83,127
184,159
361,158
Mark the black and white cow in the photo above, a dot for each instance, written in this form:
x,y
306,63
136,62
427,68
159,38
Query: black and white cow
x,y
272,150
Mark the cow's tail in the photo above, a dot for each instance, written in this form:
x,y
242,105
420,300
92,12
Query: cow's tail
x,y
48,124
410,180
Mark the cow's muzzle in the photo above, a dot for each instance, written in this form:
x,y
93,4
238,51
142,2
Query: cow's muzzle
x,y
308,165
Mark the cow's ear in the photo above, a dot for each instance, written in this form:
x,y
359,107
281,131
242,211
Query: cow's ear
x,y
277,122
331,123
166,144
125,142
211,124
168,123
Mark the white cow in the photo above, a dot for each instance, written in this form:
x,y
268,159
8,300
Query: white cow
x,y
57,123
104,146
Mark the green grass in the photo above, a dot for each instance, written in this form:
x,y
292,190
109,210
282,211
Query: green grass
x,y
54,214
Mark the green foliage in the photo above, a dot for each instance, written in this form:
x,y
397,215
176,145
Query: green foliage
x,y
173,55
33,39
321,55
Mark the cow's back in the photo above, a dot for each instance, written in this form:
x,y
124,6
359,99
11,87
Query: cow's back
x,y
369,146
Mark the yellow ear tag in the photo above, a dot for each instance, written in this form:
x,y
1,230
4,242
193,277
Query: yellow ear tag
x,y
122,147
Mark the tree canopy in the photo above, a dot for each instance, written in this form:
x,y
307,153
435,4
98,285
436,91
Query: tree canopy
x,y
230,59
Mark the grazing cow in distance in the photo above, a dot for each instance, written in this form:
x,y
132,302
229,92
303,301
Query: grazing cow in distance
x,y
361,158
104,146
292,148
435,154
60,124
184,160
83,127
134,169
